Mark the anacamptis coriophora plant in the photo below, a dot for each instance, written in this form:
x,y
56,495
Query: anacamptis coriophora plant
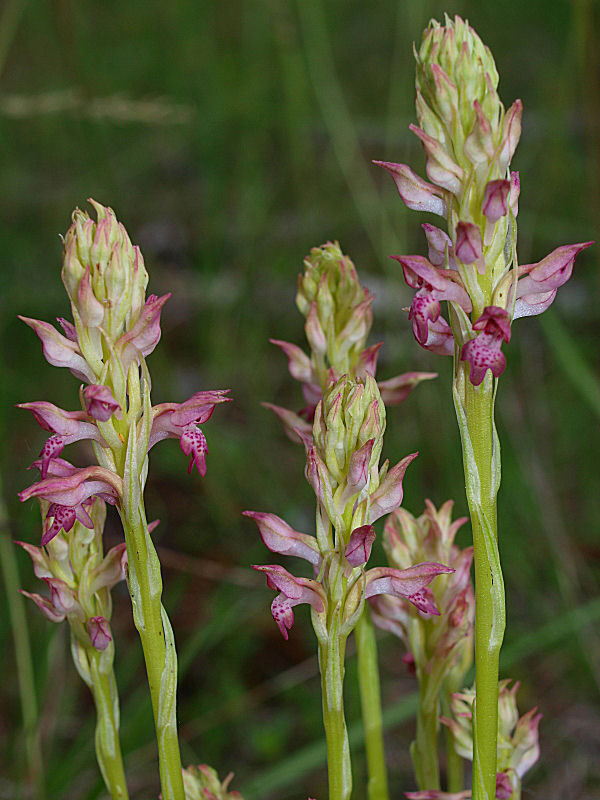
x,y
469,140
115,327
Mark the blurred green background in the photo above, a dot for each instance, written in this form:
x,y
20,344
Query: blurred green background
x,y
230,137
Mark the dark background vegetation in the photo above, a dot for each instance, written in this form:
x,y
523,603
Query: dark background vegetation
x,y
230,137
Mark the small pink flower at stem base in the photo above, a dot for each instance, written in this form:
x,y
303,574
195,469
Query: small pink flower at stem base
x,y
293,591
484,351
358,549
100,403
280,537
99,632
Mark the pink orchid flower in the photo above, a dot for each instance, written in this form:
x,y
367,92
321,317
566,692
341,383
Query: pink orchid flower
x,y
280,537
484,351
409,583
181,420
68,490
67,427
99,632
59,350
145,333
100,403
292,592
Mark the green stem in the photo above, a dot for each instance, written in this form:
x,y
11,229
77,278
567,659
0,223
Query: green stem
x,y
481,455
424,750
370,698
96,670
152,623
108,749
331,665
455,777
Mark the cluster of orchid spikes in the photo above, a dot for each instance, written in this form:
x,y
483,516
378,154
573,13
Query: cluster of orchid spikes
x,y
424,595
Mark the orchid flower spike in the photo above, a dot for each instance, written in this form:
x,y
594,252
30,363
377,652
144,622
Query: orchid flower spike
x,y
469,139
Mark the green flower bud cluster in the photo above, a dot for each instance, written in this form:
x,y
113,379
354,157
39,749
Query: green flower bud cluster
x,y
349,416
337,309
104,276
455,70
203,782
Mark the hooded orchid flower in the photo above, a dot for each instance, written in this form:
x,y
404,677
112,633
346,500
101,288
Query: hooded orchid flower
x,y
68,490
145,333
62,602
66,426
181,420
484,351
292,592
538,283
59,350
100,403
280,537
410,584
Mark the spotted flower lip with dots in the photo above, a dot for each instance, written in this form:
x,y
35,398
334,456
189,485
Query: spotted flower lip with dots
x,y
66,426
181,420
68,489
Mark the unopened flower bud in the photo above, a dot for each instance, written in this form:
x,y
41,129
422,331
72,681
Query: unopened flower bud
x,y
99,632
359,545
103,273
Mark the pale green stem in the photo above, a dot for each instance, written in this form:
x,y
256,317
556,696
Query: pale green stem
x,y
424,750
331,665
96,670
370,698
455,776
108,749
151,621
482,475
